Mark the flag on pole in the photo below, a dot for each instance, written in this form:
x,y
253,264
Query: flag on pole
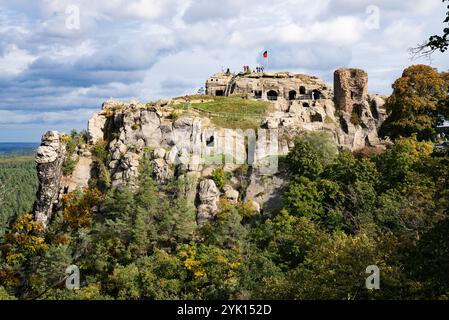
x,y
265,54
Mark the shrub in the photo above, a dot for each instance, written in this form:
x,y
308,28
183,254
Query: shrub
x,y
173,115
23,240
69,165
75,139
221,177
78,207
99,151
355,119
328,120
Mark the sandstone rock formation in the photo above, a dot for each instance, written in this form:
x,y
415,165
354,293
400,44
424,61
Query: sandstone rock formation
x,y
161,171
267,190
189,148
208,195
95,128
50,157
231,194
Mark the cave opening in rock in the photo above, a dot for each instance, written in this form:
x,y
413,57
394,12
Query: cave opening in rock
x,y
316,117
272,95
292,95
344,125
219,93
210,141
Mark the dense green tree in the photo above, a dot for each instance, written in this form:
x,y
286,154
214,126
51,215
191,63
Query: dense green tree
x,y
303,198
336,269
212,272
18,186
401,160
4,295
287,238
311,153
342,213
427,259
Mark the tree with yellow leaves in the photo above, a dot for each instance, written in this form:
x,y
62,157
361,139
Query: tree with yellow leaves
x,y
417,105
24,240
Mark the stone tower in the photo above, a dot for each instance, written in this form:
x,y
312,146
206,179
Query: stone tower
x,y
350,88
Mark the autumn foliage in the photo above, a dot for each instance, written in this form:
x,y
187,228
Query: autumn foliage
x,y
24,240
418,104
79,207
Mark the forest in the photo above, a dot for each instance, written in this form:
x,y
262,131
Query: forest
x,y
342,212
18,186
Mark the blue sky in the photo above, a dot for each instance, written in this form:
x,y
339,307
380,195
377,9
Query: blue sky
x,y
55,73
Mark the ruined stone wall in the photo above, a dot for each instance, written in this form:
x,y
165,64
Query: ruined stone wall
x,y
350,88
283,83
218,83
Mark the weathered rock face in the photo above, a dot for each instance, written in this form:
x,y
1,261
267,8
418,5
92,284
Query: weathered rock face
x,y
190,185
350,88
188,147
360,114
231,194
208,195
356,136
95,128
50,157
133,128
162,171
266,190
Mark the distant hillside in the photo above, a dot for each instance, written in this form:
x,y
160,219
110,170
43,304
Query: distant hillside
x,y
18,148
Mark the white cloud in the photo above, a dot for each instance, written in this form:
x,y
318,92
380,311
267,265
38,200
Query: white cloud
x,y
203,10
386,6
340,31
48,117
160,48
113,8
403,34
15,60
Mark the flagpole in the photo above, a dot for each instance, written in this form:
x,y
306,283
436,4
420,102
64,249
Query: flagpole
x,y
265,56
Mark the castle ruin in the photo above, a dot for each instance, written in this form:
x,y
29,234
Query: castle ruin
x,y
268,86
291,90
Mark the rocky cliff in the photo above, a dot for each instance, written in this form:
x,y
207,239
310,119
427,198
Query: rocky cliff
x,y
49,158
183,143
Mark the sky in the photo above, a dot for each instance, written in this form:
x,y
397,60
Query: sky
x,y
60,59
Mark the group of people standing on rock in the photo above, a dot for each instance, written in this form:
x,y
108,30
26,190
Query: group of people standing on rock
x,y
247,69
